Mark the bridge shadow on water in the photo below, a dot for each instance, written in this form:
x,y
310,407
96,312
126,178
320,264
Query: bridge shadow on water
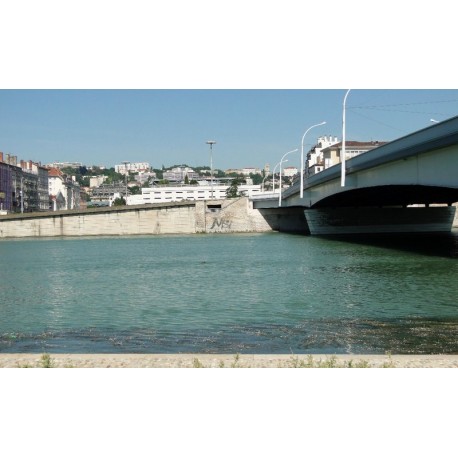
x,y
442,245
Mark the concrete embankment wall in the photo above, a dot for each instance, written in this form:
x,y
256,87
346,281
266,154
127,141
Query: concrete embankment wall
x,y
232,215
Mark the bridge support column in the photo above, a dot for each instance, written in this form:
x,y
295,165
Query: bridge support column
x,y
375,220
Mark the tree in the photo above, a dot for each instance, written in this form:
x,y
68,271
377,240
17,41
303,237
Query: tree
x,y
256,177
135,190
159,173
186,179
233,190
119,201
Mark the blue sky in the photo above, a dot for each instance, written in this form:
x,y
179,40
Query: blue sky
x,y
165,127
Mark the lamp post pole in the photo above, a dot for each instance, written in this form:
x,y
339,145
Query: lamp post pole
x,y
211,143
302,156
22,194
342,160
279,182
125,169
262,185
273,176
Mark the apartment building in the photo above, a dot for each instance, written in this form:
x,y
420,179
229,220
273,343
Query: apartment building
x,y
132,167
64,191
23,185
179,174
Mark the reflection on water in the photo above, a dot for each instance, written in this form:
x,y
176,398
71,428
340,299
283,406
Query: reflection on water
x,y
444,245
247,293
419,336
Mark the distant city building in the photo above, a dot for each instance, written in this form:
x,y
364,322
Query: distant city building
x,y
133,167
331,155
289,171
97,181
179,174
247,171
62,165
106,193
36,186
327,151
315,162
180,193
64,191
233,171
143,177
23,185
250,171
96,167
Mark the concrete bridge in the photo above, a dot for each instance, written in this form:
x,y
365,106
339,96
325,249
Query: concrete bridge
x,y
407,185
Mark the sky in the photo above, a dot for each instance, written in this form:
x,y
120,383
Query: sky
x,y
166,127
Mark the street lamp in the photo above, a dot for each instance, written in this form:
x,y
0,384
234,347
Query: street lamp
x,y
125,169
342,160
262,185
279,182
22,194
211,143
302,156
273,175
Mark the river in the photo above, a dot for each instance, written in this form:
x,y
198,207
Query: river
x,y
234,293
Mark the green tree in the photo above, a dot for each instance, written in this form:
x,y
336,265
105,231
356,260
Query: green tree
x,y
119,201
112,176
135,190
256,177
233,190
159,173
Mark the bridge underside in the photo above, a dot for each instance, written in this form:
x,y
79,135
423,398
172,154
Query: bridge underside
x,y
392,195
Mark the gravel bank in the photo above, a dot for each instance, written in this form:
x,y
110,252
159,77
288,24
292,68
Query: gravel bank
x,y
20,360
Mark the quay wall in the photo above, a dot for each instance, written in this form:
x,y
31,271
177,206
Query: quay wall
x,y
211,216
230,215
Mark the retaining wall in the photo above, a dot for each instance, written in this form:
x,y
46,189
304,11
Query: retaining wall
x,y
231,215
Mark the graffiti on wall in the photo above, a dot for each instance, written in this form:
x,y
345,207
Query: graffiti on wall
x,y
221,224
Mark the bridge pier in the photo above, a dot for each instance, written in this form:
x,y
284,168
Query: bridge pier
x,y
379,220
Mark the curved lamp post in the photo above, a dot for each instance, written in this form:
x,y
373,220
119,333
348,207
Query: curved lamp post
x,y
302,156
279,182
342,160
273,175
262,185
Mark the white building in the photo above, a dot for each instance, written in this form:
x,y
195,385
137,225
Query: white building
x,y
62,165
97,181
289,171
180,174
331,154
143,177
315,160
180,193
133,167
250,170
64,192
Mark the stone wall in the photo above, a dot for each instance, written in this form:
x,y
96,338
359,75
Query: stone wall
x,y
232,215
